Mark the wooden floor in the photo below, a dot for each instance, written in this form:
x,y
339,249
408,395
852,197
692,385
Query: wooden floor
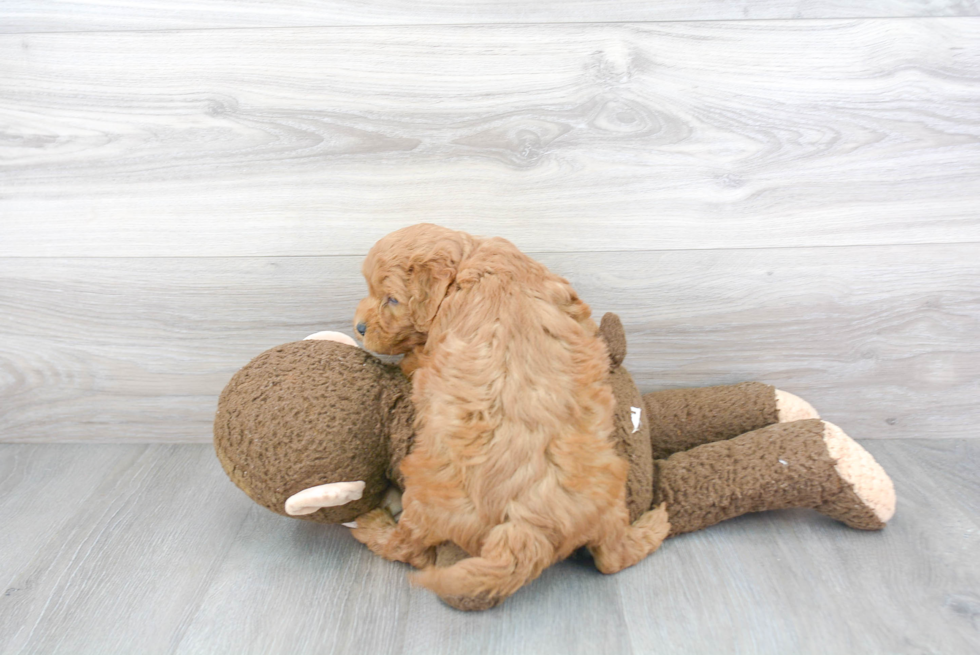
x,y
150,549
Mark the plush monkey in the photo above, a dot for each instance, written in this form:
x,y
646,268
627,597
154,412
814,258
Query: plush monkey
x,y
316,429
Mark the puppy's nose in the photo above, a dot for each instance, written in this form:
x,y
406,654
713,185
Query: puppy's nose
x,y
361,328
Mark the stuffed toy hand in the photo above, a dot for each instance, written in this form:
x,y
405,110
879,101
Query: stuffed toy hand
x,y
316,429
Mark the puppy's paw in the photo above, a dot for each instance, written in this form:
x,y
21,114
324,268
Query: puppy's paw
x,y
655,525
374,528
410,363
378,531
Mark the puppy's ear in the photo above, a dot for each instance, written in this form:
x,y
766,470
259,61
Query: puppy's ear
x,y
429,280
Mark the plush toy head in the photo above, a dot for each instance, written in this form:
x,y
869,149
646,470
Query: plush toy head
x,y
309,413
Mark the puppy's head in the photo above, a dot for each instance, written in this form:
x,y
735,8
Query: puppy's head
x,y
408,274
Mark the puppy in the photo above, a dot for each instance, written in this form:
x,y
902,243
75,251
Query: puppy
x,y
512,459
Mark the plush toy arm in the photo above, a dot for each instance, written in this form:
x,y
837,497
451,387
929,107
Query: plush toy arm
x,y
808,463
681,419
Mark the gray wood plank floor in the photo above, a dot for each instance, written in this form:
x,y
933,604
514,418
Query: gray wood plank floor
x,y
150,549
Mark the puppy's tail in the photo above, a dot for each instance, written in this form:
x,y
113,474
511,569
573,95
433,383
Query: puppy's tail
x,y
512,556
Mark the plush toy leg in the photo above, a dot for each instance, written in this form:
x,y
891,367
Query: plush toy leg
x,y
807,463
681,419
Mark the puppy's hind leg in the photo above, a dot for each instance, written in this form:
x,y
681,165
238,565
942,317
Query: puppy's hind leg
x,y
512,555
621,545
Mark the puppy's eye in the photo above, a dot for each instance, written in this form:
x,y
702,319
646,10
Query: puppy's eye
x,y
391,301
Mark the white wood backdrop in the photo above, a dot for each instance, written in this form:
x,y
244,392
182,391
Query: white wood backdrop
x,y
86,15
792,200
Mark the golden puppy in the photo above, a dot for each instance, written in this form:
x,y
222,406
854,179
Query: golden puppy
x,y
512,458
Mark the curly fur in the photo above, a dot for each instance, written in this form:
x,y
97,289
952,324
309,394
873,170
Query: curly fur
x,y
512,458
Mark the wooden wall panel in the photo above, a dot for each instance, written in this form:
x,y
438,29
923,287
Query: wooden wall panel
x,y
563,137
88,15
884,341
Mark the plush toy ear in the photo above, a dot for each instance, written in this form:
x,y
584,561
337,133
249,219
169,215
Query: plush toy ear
x,y
328,335
429,281
333,494
612,332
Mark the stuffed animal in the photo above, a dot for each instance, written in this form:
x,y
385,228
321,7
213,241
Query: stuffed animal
x,y
316,430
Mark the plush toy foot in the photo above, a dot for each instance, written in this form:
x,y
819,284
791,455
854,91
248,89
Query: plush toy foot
x,y
801,464
791,408
867,497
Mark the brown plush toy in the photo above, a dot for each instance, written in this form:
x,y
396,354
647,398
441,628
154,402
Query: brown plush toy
x,y
316,429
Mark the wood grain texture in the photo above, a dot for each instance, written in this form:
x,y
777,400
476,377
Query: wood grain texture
x,y
88,15
562,137
135,350
159,553
884,341
763,572
125,563
41,492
